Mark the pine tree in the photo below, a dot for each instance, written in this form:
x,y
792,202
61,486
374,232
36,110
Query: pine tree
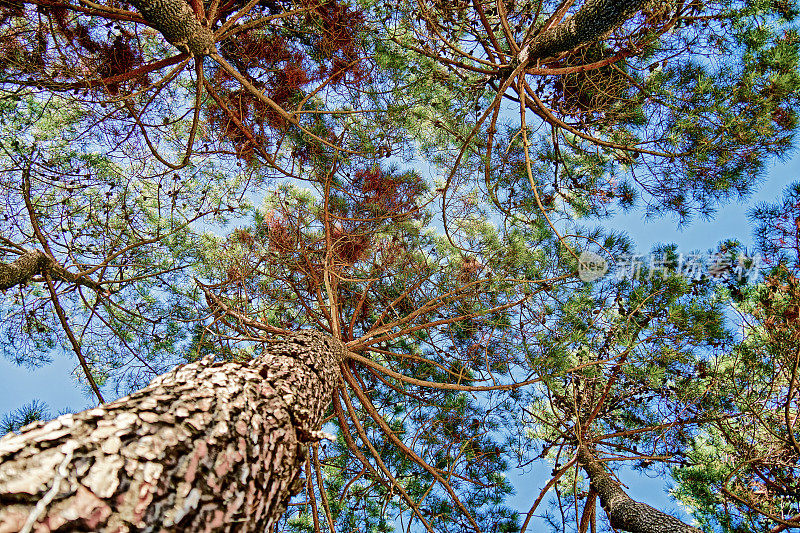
x,y
83,237
427,350
442,308
625,383
743,474
216,446
251,79
679,104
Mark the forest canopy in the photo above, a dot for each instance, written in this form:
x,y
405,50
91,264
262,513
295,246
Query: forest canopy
x,y
323,264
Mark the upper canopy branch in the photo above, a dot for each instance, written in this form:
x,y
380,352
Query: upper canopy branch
x,y
179,25
33,263
594,19
23,269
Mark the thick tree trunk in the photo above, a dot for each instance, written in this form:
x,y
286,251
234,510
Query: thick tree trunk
x,y
23,269
206,447
623,512
177,22
594,19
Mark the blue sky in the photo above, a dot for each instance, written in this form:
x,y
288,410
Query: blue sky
x,y
731,221
52,384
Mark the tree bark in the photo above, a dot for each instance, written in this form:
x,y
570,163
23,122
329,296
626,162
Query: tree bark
x,y
33,263
206,447
623,512
594,19
177,22
23,269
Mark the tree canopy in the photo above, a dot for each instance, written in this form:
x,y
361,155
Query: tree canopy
x,y
421,183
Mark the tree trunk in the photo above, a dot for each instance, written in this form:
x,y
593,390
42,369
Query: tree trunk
x,y
179,25
594,19
23,269
623,512
206,447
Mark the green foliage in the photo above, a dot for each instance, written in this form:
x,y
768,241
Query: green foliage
x,y
28,413
392,175
741,470
129,232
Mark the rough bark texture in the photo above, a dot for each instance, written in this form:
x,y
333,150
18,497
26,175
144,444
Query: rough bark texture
x,y
179,25
33,263
23,269
594,19
206,447
623,512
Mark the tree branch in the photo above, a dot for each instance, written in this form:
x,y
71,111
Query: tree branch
x,y
594,19
179,25
36,262
23,269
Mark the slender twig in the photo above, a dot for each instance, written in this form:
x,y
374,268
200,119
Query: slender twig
x,y
321,485
62,317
